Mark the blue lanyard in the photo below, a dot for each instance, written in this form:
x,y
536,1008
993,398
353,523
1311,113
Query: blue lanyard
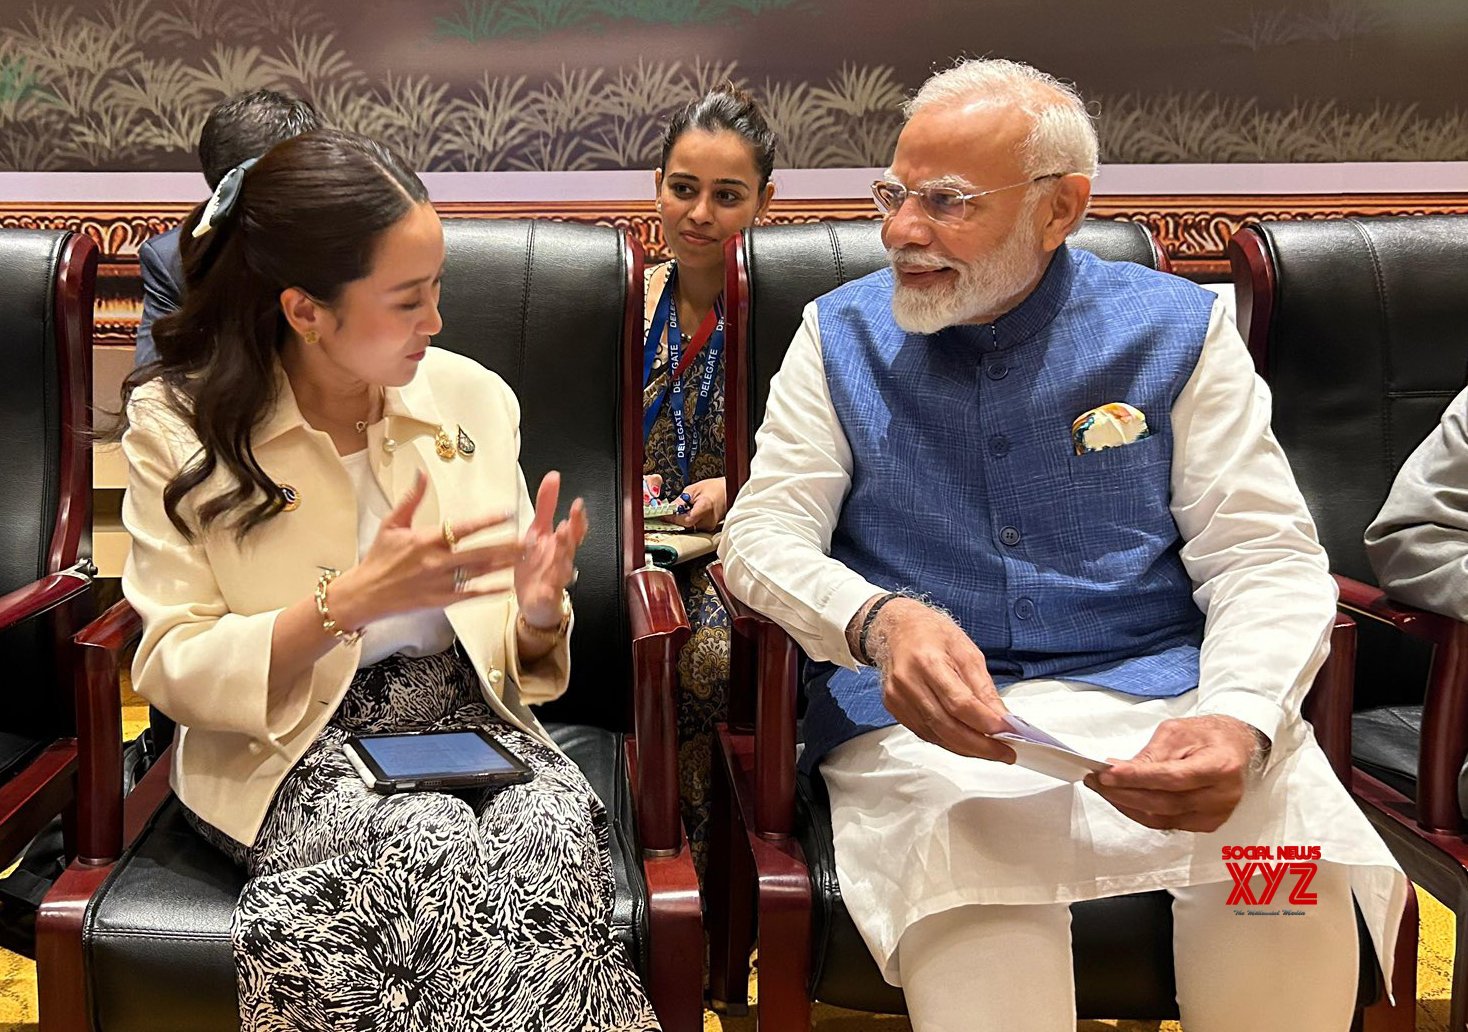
x,y
666,314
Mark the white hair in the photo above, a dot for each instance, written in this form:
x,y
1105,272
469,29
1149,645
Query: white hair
x,y
1063,138
983,289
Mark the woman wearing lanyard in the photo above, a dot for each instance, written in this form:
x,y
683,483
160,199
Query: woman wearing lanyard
x,y
714,181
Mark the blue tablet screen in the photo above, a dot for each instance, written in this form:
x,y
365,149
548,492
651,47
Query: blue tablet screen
x,y
458,752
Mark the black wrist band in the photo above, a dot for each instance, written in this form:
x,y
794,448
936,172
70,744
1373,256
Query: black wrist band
x,y
866,625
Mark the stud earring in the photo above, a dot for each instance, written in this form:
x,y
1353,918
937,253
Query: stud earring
x,y
311,338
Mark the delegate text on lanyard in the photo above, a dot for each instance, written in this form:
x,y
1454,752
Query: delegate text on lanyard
x,y
710,332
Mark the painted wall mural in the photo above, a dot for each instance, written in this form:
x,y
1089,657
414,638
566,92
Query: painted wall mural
x,y
586,84
124,85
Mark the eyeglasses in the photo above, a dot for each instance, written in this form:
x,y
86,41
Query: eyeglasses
x,y
944,204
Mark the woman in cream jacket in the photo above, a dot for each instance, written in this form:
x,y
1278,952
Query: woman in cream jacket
x,y
332,536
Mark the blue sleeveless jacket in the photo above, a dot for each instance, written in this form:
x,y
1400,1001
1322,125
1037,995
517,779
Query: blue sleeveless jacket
x,y
966,486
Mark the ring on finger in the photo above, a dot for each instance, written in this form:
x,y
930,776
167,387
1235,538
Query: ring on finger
x,y
459,579
575,573
450,538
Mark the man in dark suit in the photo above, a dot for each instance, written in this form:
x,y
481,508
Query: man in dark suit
x,y
242,127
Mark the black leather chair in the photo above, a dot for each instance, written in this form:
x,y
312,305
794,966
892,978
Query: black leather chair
x,y
772,868
1361,328
47,286
141,940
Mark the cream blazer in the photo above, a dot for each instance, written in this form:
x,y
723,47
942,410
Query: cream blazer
x,y
209,607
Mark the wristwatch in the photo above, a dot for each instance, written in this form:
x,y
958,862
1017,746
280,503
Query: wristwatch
x,y
551,634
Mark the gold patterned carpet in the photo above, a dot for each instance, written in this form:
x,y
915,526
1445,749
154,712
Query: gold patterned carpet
x,y
1434,967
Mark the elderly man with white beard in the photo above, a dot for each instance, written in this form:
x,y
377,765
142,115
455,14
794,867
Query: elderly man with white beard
x,y
1006,479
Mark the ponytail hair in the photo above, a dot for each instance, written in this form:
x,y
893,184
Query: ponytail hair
x,y
309,214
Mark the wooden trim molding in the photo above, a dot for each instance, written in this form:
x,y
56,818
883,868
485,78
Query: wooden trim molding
x,y
1193,230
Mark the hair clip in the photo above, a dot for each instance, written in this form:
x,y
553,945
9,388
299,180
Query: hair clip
x,y
223,199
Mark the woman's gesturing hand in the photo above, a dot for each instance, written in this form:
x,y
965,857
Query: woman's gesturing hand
x,y
407,569
548,554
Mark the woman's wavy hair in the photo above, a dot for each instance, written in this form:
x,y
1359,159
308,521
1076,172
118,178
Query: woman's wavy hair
x,y
309,215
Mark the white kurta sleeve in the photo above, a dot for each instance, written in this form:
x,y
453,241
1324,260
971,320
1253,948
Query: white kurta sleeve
x,y
778,531
1260,575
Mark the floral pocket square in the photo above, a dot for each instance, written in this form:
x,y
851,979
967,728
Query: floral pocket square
x,y
1108,426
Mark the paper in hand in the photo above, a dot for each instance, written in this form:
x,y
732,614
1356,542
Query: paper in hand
x,y
1044,754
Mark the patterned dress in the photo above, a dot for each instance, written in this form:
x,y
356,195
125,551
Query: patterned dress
x,y
703,666
485,909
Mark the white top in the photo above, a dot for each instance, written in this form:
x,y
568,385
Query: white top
x,y
919,830
421,632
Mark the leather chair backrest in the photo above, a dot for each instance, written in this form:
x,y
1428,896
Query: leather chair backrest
x,y
781,269
47,287
1361,328
544,305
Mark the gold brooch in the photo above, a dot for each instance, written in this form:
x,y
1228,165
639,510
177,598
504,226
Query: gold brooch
x,y
443,444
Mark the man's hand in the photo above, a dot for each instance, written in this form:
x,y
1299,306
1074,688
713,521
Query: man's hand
x,y
935,680
1189,777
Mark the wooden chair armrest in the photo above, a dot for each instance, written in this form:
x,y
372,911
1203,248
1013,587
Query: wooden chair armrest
x,y
1444,743
1328,704
776,691
659,630
41,596
740,615
1374,604
99,732
61,971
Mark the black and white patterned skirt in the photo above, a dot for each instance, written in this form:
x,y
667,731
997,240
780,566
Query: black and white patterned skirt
x,y
429,910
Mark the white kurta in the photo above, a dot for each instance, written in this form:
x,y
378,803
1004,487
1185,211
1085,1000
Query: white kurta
x,y
919,830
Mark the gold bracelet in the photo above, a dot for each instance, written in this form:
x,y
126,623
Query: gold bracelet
x,y
550,635
329,625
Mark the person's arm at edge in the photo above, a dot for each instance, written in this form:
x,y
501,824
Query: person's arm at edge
x,y
1418,544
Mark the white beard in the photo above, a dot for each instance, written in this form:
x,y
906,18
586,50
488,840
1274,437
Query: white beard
x,y
984,287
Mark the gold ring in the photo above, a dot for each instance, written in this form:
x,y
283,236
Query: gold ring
x,y
450,538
